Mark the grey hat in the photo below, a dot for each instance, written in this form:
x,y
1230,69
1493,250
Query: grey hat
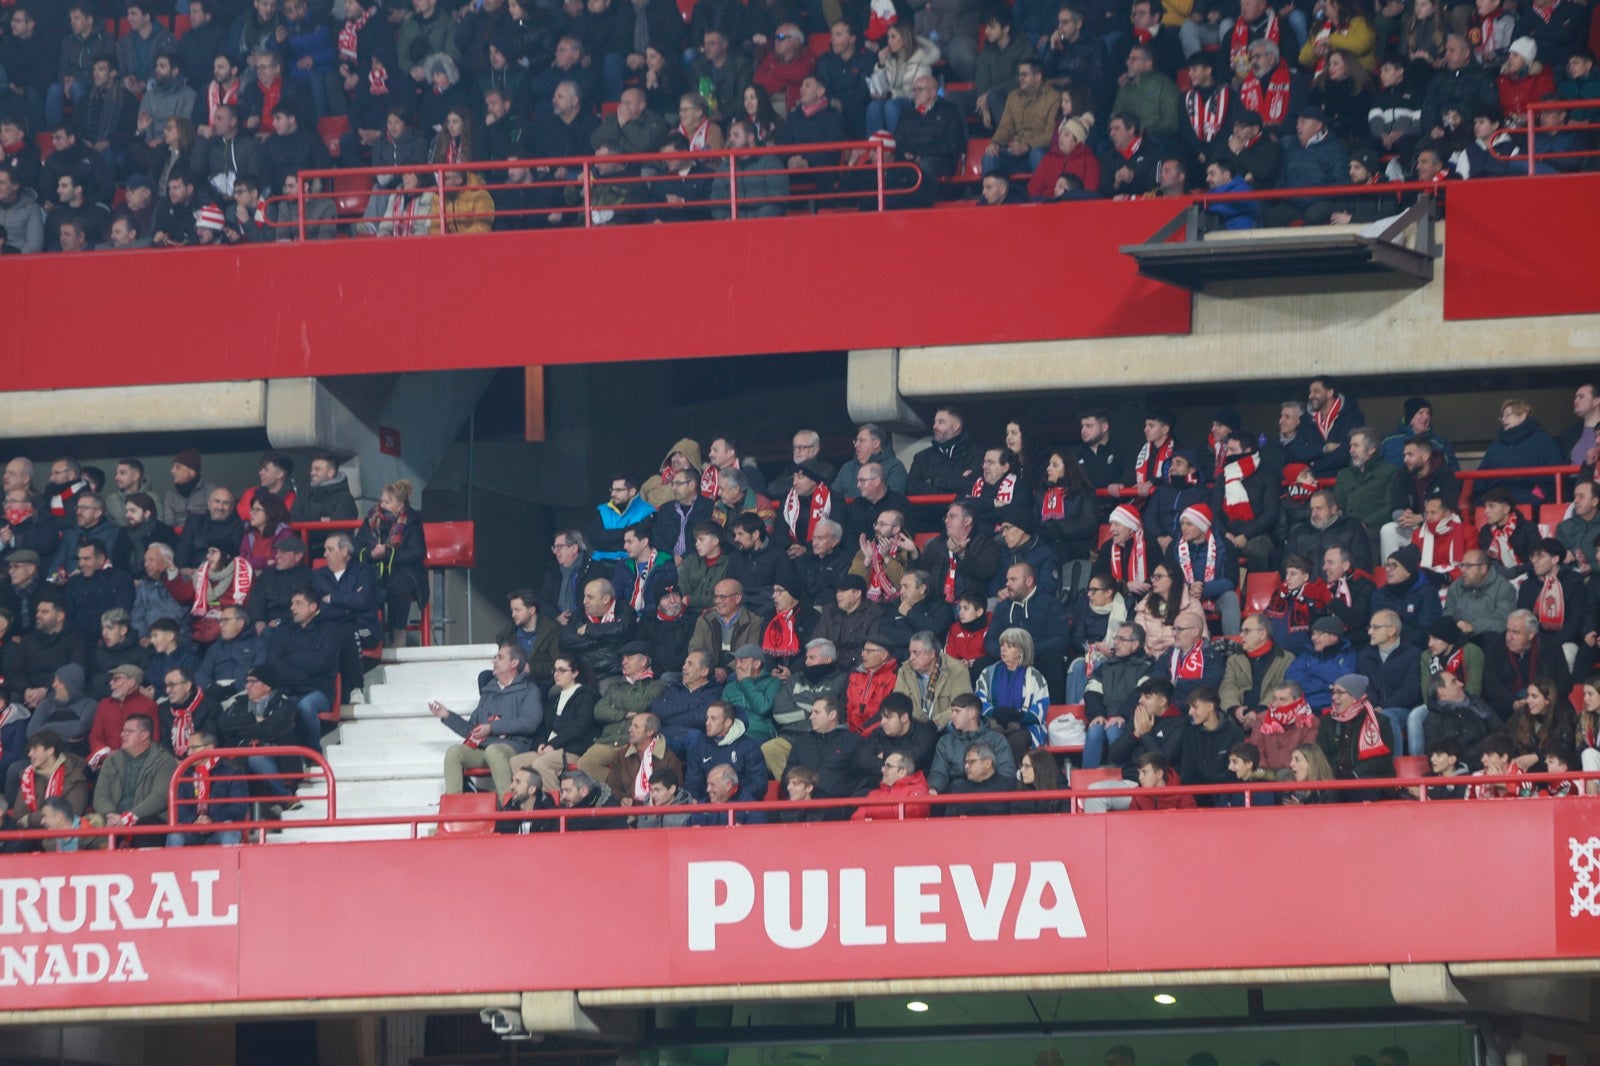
x,y
747,651
1328,624
1355,684
129,670
25,555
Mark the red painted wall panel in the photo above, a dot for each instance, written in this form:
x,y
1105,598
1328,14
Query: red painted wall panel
x,y
1516,247
645,292
975,896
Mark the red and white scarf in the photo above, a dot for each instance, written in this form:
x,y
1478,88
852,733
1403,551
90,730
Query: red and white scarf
x,y
1453,663
1053,507
709,477
1323,34
1219,453
1187,666
1500,549
950,575
1144,471
821,507
217,95
183,724
1551,605
1134,570
1004,489
238,592
1239,39
1235,500
879,588
202,785
780,639
1325,418
1341,591
1296,715
697,139
1274,95
378,82
1186,564
1205,118
349,35
1431,537
53,786
609,616
1503,791
640,578
641,780
1369,743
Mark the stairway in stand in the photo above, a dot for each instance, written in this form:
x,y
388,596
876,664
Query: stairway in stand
x,y
388,753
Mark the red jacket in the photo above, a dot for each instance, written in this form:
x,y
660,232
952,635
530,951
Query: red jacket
x,y
1443,556
773,75
965,644
908,787
1517,93
1163,803
866,692
1081,163
111,715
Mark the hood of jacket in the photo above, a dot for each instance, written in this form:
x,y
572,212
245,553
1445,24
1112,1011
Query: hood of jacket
x,y
71,677
691,451
735,731
1519,433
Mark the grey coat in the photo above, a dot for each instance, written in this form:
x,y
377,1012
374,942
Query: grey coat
x,y
513,714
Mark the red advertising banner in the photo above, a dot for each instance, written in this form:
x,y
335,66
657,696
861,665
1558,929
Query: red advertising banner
x,y
1516,247
959,897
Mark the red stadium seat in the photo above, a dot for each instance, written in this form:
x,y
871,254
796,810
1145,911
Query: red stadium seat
x,y
1550,516
352,194
330,129
1085,778
774,791
1258,590
1103,536
467,803
608,108
922,539
180,26
686,9
972,169
1410,766
819,43
45,145
450,544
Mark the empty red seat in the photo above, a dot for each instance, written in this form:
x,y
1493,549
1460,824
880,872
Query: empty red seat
x,y
973,167
1550,516
450,544
330,129
1258,590
180,26
466,803
922,539
45,145
1410,766
352,190
819,43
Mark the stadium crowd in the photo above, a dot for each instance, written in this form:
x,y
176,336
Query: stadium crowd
x,y
1306,603
117,132
140,627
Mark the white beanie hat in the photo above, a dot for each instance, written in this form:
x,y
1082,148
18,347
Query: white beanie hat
x,y
1526,48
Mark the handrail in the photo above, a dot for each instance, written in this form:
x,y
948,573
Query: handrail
x,y
331,802
1072,795
327,525
577,172
1510,473
1532,129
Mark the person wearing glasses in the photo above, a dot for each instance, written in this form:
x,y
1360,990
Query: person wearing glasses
x,y
568,725
1392,669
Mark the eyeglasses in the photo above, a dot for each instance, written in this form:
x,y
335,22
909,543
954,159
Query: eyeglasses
x,y
561,670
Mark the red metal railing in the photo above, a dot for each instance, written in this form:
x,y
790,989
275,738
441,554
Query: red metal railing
x,y
1072,798
1531,130
1467,476
582,175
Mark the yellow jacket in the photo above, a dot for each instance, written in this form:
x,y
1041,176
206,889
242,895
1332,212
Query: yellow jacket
x,y
1030,116
469,209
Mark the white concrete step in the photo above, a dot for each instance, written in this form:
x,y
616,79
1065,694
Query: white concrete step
x,y
404,793
421,765
346,758
456,668
440,652
394,709
342,833
393,730
453,694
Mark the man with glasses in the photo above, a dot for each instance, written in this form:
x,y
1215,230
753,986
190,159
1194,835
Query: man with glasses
x,y
503,724
1192,662
675,522
1393,672
232,655
782,66
561,592
871,445
727,626
805,450
625,509
1111,693
1249,679
873,496
1480,599
92,524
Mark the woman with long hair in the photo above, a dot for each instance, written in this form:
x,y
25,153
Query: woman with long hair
x,y
568,727
1068,516
1346,25
1545,720
1159,611
390,539
1344,92
756,109
1038,772
1308,763
268,527
453,143
904,58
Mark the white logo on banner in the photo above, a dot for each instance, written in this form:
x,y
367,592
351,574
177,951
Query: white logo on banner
x,y
1585,862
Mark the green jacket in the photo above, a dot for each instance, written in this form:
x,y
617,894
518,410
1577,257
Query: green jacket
x,y
1155,99
621,701
1365,494
155,770
696,581
754,696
